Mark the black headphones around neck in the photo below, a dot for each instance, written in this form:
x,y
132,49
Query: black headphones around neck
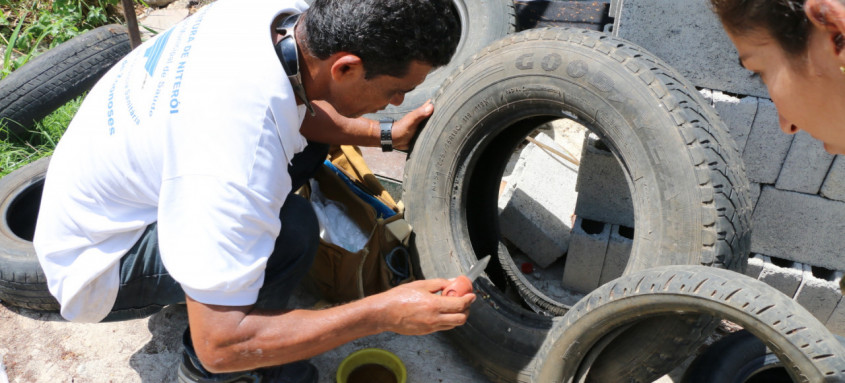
x,y
288,53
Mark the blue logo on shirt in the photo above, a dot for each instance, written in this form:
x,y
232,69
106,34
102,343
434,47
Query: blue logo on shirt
x,y
153,53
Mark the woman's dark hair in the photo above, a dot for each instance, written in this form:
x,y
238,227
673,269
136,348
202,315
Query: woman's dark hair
x,y
785,20
386,34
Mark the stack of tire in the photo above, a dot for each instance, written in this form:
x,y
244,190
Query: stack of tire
x,y
688,186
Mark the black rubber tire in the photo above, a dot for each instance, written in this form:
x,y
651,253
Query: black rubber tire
x,y
59,75
812,353
739,357
482,22
22,281
690,192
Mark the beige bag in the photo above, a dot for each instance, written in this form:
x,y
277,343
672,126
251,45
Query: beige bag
x,y
340,275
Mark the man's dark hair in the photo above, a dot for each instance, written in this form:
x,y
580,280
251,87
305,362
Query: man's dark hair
x,y
386,34
784,20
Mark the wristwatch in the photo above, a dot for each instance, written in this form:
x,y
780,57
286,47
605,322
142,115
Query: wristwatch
x,y
386,126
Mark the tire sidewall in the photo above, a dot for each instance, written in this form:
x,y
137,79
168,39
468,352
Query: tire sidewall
x,y
638,120
13,248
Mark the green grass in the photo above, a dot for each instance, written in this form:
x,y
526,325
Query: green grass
x,y
20,151
29,28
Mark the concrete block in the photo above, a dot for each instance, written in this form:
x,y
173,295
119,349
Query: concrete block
x,y
537,204
737,113
806,165
603,191
785,278
617,254
767,146
834,183
687,35
819,295
585,259
836,322
754,190
799,227
755,265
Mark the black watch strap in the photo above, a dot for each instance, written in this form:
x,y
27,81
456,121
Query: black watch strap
x,y
386,127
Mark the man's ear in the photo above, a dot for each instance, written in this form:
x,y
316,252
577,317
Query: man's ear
x,y
346,66
829,16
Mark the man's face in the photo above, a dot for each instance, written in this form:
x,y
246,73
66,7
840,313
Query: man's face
x,y
363,96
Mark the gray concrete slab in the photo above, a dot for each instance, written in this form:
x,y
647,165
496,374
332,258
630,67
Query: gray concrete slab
x,y
755,265
585,259
538,202
687,35
618,252
834,184
806,165
836,322
603,191
767,146
784,279
737,113
799,227
819,296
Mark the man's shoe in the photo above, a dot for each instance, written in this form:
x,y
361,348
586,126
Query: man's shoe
x,y
191,370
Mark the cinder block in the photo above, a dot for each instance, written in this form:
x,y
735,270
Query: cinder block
x,y
836,322
767,146
736,113
799,227
603,191
818,296
618,252
754,190
687,35
784,279
537,204
585,259
806,165
834,183
755,265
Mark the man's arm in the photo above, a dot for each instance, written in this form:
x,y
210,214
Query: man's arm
x,y
244,338
329,127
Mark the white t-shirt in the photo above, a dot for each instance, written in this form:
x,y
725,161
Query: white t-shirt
x,y
194,130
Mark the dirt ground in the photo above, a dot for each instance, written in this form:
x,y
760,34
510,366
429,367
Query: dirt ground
x,y
40,347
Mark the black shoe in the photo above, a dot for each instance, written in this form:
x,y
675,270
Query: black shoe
x,y
190,370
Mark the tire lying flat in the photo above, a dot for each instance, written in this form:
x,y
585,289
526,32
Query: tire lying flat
x,y
689,192
738,357
22,281
811,353
49,80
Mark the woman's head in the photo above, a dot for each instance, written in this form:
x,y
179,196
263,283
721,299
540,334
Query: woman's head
x,y
796,48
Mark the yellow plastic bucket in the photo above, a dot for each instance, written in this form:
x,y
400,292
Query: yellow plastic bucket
x,y
372,356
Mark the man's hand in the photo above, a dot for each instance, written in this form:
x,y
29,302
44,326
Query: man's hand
x,y
405,128
415,308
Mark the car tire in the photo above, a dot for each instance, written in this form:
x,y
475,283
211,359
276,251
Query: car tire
x,y
689,192
22,281
812,353
59,75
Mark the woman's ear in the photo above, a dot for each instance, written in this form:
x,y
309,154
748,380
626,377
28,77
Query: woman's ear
x,y
829,16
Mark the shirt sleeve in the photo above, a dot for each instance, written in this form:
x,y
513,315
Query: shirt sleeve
x,y
215,237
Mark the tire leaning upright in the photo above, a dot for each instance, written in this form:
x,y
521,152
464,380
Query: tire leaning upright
x,y
689,190
22,281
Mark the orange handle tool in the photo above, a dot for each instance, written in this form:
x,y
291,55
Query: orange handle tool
x,y
462,284
459,287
